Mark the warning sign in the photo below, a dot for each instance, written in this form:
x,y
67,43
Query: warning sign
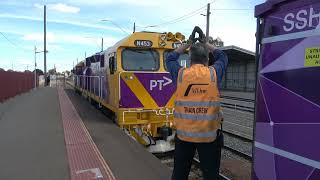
x,y
312,57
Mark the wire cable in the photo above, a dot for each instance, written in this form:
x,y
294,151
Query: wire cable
x,y
181,18
9,40
12,43
190,14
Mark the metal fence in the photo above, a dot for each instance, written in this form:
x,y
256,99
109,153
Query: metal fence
x,y
14,83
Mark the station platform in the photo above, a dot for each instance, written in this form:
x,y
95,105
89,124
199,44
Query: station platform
x,y
52,133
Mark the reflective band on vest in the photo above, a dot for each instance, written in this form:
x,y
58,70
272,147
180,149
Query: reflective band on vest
x,y
197,134
194,103
194,117
197,106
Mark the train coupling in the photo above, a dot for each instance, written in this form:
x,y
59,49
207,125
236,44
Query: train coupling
x,y
163,145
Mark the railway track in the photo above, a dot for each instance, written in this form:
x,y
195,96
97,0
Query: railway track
x,y
167,158
236,151
237,98
196,161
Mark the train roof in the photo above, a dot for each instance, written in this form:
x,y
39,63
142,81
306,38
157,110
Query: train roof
x,y
267,6
144,39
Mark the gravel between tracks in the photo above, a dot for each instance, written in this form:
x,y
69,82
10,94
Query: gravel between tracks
x,y
238,144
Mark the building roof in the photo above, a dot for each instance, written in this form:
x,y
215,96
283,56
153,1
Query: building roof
x,y
235,53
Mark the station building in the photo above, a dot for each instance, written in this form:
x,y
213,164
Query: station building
x,y
241,70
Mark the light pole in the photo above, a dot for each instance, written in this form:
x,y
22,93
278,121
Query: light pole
x,y
208,21
35,65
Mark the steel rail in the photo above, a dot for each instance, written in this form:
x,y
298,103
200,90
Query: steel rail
x,y
197,163
237,98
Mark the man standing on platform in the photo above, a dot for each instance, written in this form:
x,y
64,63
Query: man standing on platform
x,y
197,115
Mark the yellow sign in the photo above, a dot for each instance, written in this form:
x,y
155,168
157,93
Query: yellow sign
x,y
312,57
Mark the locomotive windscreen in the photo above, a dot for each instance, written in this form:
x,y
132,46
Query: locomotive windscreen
x,y
140,60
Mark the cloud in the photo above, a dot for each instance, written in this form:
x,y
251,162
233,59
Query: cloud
x,y
108,2
64,8
60,7
38,37
74,23
64,38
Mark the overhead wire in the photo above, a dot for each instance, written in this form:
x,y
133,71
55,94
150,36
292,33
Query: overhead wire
x,y
181,18
12,43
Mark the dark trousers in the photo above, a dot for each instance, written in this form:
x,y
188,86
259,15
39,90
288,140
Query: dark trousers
x,y
209,156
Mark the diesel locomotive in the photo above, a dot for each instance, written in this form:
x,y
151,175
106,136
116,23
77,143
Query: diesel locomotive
x,y
130,81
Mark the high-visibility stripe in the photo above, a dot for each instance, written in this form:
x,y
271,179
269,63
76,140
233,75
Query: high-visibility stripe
x,y
212,74
139,91
181,75
198,134
197,117
198,103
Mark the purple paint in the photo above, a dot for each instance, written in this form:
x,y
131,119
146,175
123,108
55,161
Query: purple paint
x,y
288,115
315,175
286,107
284,165
160,95
295,81
289,137
267,171
128,99
277,50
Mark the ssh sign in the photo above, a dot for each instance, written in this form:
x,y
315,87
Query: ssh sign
x,y
158,84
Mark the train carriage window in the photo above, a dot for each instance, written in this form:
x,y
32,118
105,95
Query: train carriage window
x,y
183,60
102,61
140,60
112,65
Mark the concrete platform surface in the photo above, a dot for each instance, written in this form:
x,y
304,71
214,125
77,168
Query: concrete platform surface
x,y
32,139
127,159
33,146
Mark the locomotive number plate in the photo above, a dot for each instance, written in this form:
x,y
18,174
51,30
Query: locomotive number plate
x,y
143,43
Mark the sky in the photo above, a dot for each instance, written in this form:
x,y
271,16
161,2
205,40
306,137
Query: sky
x,y
75,29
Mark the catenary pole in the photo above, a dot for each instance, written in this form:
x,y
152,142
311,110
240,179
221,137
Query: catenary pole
x,y
208,21
45,44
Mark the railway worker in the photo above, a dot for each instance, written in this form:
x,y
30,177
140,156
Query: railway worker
x,y
197,114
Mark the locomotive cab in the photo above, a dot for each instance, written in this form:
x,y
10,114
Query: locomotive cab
x,y
137,89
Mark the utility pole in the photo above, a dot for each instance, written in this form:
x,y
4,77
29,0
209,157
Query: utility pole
x,y
134,27
208,21
45,44
35,67
101,44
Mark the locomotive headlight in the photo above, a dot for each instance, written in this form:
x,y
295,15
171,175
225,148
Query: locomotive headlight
x,y
131,77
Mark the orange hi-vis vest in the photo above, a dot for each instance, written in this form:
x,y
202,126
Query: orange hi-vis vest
x,y
197,114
